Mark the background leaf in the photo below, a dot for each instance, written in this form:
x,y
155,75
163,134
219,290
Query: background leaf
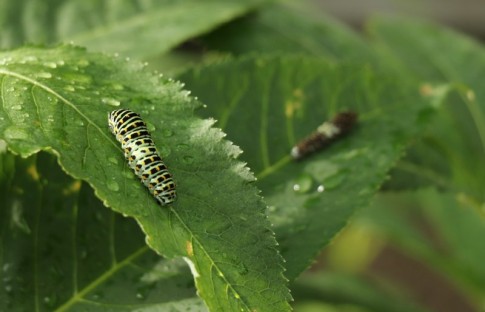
x,y
58,100
454,147
132,28
62,250
267,104
343,289
441,229
290,27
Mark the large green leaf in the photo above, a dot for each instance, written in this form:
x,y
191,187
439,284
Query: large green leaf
x,y
58,100
453,150
291,27
60,249
267,104
132,28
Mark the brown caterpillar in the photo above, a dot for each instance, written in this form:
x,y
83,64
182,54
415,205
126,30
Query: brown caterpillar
x,y
326,134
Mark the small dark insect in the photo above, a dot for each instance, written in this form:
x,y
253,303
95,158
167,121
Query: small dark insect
x,y
325,135
142,155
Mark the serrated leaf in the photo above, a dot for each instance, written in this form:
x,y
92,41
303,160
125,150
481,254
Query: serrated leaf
x,y
453,149
61,250
267,104
132,28
58,100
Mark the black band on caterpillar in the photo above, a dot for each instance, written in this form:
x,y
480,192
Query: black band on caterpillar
x,y
325,135
142,155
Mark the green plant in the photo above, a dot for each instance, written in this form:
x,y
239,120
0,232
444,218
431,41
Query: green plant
x,y
268,78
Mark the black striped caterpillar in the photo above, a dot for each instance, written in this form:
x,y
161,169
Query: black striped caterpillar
x,y
142,155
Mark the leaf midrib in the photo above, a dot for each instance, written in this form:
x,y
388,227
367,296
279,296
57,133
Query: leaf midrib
x,y
63,99
220,273
114,268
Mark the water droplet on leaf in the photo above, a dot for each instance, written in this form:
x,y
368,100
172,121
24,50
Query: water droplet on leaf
x,y
69,88
43,75
110,101
303,183
113,160
50,64
150,127
113,186
167,132
188,159
14,133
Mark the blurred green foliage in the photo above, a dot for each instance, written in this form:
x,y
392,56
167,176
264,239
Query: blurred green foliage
x,y
398,227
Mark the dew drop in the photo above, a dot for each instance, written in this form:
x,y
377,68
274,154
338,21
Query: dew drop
x,y
113,160
182,146
167,132
150,126
303,183
271,208
43,75
188,159
69,88
97,296
83,63
50,301
113,186
117,86
140,296
17,107
164,150
320,188
127,174
29,59
50,64
14,133
110,101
